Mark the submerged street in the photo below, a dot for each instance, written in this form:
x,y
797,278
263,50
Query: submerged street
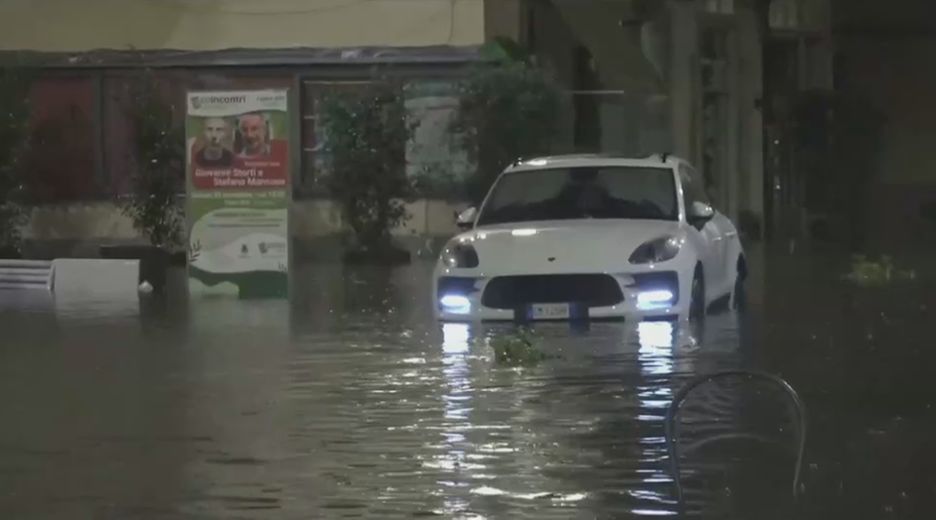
x,y
200,202
353,403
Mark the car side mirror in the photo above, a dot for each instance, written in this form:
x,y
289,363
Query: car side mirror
x,y
466,219
700,213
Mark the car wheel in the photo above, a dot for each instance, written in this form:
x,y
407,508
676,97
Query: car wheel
x,y
739,295
697,300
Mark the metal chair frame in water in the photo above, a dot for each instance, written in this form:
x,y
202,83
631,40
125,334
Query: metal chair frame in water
x,y
672,435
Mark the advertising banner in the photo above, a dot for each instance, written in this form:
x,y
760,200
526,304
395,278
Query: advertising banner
x,y
238,179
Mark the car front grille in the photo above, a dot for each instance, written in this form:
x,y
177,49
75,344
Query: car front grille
x,y
591,290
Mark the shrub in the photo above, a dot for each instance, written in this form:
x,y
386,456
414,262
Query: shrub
x,y
506,111
367,129
159,145
15,118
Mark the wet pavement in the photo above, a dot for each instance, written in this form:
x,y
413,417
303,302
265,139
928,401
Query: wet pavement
x,y
353,403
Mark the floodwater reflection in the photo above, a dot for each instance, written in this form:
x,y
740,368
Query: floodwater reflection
x,y
218,408
350,402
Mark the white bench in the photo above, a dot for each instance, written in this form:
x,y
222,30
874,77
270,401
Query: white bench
x,y
27,274
72,285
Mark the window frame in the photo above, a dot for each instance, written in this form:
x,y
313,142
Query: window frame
x,y
212,74
485,205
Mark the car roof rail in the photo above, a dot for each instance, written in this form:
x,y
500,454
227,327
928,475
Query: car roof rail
x,y
664,156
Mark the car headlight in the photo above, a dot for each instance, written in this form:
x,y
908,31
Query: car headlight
x,y
656,250
460,256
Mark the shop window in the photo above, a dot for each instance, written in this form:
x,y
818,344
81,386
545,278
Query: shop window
x,y
119,154
719,6
434,161
313,138
61,158
798,15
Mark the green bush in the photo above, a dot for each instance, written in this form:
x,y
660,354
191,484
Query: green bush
x,y
506,111
15,118
367,129
159,146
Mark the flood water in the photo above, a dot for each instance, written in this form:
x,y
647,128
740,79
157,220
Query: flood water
x,y
353,403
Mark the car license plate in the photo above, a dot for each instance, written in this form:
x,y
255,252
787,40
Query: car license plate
x,y
550,311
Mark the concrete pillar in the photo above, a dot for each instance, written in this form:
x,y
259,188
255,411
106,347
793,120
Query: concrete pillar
x,y
751,185
735,152
554,44
682,77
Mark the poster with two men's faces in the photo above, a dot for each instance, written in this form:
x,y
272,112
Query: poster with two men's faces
x,y
238,192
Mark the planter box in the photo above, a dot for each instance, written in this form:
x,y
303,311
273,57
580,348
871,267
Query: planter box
x,y
154,262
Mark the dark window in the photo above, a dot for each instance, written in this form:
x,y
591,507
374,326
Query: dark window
x,y
587,103
119,152
61,160
119,132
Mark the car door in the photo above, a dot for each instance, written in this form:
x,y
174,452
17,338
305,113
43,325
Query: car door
x,y
712,242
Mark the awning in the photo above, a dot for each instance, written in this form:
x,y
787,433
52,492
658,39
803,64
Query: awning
x,y
621,62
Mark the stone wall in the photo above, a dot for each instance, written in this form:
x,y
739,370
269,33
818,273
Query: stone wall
x,y
77,230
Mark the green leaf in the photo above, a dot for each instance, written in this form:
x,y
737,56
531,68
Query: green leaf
x,y
505,50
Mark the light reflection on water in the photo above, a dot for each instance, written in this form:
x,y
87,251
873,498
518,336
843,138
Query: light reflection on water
x,y
455,338
657,341
336,407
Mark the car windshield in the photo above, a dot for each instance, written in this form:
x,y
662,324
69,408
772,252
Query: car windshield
x,y
584,192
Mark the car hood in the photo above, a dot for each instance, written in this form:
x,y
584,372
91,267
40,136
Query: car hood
x,y
563,246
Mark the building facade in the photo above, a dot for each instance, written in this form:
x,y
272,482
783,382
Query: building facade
x,y
883,54
688,77
642,76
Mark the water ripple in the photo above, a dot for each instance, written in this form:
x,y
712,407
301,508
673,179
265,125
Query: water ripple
x,y
331,409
